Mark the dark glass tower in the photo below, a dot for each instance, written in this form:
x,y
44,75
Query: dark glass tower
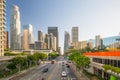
x,y
54,31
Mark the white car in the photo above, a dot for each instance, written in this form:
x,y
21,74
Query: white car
x,y
64,74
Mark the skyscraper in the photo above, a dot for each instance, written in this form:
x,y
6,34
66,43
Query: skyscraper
x,y
50,38
66,41
47,41
75,33
40,36
6,44
54,31
98,41
15,29
31,36
2,26
28,37
54,43
25,41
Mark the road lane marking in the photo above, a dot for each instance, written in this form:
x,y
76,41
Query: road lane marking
x,y
49,77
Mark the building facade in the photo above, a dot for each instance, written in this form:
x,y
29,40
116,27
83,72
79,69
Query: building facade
x,y
75,32
2,26
98,41
31,36
79,45
47,41
15,29
98,59
6,43
54,31
25,41
28,37
40,36
66,41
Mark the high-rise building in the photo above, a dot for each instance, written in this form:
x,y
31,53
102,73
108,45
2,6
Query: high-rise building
x,y
40,36
54,31
2,26
27,36
66,41
50,38
25,39
98,41
47,41
54,43
31,36
6,43
75,33
15,29
21,42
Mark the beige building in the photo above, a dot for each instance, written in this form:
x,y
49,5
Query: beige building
x,y
25,43
2,26
75,33
6,42
90,45
79,45
115,45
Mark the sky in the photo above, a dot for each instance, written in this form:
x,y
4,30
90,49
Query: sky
x,y
93,17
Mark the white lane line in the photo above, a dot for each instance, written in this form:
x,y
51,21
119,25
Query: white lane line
x,y
67,72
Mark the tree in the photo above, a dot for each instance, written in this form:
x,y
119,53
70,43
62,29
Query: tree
x,y
19,61
53,55
80,60
11,67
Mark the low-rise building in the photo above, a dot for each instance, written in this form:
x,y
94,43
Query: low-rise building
x,y
79,45
98,59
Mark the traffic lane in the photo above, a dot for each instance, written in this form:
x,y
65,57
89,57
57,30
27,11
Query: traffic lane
x,y
41,74
18,77
33,73
69,72
46,74
54,72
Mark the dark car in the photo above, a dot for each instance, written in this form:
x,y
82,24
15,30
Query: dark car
x,y
67,65
45,70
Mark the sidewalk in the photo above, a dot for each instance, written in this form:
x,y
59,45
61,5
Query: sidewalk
x,y
21,73
78,74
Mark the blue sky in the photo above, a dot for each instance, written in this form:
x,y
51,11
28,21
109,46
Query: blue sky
x,y
93,17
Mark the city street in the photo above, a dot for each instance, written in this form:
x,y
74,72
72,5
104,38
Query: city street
x,y
53,73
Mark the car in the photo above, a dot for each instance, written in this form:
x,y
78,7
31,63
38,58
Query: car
x,y
67,66
73,79
69,61
45,70
64,74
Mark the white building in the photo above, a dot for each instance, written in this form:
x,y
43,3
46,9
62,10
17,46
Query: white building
x,y
31,36
15,29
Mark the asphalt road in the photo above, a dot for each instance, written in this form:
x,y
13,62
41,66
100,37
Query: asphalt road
x,y
54,72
